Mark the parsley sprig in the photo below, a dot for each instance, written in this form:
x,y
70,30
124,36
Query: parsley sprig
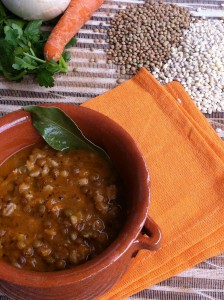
x,y
21,50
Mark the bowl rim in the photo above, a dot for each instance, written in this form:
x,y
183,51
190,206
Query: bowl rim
x,y
117,248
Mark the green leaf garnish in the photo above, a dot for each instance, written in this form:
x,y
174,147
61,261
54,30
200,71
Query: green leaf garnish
x,y
33,30
71,43
45,78
21,48
59,130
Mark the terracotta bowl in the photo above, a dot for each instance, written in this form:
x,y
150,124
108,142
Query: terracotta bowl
x,y
95,277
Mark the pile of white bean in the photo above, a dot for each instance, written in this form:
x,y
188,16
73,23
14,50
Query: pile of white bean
x,y
198,64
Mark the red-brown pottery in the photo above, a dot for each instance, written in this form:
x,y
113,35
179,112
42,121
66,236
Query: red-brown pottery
x,y
97,276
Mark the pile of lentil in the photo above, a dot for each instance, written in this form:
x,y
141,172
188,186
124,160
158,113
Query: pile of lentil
x,y
198,64
57,210
143,35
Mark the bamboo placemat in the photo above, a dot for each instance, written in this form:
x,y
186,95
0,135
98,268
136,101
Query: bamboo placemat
x,y
86,80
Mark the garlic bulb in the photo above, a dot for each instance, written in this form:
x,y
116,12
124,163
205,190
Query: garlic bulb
x,y
36,9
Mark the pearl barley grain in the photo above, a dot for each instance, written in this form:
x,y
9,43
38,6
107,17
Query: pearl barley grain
x,y
198,64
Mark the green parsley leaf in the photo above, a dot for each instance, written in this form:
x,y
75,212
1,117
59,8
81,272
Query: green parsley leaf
x,y
24,63
66,55
21,48
45,78
20,23
52,66
6,60
32,31
71,43
10,35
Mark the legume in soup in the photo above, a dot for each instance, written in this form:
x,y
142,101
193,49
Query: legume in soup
x,y
57,210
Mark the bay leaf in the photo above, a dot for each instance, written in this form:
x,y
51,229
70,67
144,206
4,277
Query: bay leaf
x,y
59,130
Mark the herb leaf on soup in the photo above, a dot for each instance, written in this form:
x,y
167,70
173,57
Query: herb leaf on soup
x,y
59,130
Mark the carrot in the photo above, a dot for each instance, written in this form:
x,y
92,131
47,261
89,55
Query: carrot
x,y
75,16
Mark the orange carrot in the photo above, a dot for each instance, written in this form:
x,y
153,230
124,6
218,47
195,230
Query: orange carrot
x,y
75,16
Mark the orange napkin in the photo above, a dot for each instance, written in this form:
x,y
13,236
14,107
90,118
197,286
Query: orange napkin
x,y
185,158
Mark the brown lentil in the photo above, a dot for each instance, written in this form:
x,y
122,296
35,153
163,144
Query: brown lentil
x,y
69,218
143,34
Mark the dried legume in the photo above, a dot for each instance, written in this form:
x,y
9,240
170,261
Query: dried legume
x,y
198,64
143,35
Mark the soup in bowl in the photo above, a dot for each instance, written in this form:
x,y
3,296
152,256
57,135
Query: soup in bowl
x,y
70,221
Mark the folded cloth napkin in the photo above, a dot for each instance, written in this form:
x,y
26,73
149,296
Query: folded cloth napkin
x,y
185,158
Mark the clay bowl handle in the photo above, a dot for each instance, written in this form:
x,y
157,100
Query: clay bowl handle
x,y
149,238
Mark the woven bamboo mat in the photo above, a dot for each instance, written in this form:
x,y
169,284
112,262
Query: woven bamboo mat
x,y
85,80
